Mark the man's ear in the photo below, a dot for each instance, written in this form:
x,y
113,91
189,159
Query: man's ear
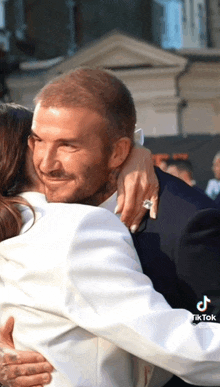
x,y
121,150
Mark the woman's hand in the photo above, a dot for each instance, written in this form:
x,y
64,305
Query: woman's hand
x,y
136,183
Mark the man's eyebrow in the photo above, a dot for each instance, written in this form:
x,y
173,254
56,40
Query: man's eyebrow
x,y
33,134
66,140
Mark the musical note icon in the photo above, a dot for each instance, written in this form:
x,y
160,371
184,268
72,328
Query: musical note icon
x,y
203,305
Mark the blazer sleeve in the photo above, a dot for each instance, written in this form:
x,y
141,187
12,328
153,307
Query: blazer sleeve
x,y
108,295
198,260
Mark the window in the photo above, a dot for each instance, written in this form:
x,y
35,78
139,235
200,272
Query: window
x,y
167,23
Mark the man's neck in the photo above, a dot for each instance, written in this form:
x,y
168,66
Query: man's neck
x,y
99,198
105,191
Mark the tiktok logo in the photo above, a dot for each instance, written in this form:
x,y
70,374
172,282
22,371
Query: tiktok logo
x,y
203,305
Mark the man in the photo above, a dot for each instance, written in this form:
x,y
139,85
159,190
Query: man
x,y
181,169
213,186
82,131
164,164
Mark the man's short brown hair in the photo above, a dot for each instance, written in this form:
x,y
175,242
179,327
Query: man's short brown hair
x,y
97,90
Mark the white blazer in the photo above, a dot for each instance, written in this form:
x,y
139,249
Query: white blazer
x,y
74,284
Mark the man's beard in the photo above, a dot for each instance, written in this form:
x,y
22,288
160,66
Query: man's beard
x,y
103,192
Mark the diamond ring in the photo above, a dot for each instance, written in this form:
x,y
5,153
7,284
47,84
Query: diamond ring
x,y
147,204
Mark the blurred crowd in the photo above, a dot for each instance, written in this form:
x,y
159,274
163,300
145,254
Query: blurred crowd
x,y
183,169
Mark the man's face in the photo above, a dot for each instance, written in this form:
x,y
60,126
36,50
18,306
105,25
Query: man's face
x,y
216,168
68,153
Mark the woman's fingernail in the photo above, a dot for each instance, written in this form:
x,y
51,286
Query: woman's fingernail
x,y
133,228
154,216
116,210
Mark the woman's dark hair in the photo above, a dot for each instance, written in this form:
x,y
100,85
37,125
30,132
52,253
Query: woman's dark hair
x,y
15,127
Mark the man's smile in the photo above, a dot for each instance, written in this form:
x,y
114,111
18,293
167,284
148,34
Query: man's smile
x,y
50,180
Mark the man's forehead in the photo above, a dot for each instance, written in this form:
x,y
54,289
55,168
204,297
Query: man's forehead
x,y
68,111
67,121
56,111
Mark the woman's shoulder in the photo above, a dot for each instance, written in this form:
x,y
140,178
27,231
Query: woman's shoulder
x,y
65,213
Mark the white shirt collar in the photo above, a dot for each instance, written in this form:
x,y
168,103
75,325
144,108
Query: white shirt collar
x,y
110,204
38,199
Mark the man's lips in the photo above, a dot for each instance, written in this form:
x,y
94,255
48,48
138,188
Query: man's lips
x,y
54,180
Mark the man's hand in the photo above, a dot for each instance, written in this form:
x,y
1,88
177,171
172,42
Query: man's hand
x,y
136,183
21,368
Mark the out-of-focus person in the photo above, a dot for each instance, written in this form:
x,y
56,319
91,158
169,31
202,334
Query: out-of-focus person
x,y
213,186
182,169
164,164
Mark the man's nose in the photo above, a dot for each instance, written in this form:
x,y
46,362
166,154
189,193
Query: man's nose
x,y
49,161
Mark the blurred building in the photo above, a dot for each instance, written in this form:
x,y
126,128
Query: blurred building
x,y
38,29
45,29
166,51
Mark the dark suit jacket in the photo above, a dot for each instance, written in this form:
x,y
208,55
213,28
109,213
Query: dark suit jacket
x,y
217,200
180,250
